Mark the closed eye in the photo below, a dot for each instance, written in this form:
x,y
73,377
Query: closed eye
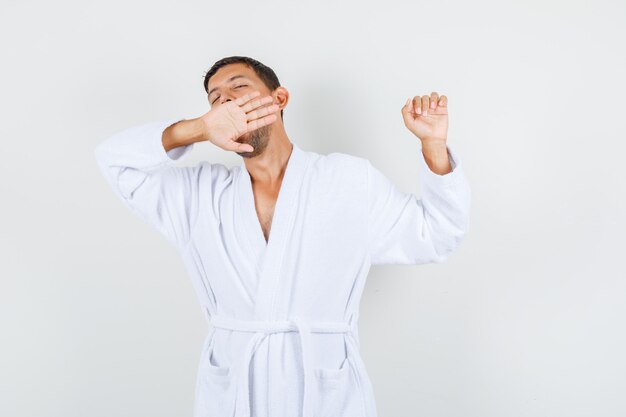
x,y
242,85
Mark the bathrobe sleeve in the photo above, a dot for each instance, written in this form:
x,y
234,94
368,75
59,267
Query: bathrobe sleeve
x,y
403,229
142,174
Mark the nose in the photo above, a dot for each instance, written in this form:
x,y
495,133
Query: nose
x,y
226,98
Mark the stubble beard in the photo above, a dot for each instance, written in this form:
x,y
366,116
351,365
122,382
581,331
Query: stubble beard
x,y
258,139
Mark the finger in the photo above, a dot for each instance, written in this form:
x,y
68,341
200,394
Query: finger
x,y
406,109
239,147
443,101
407,106
251,105
245,98
417,105
434,98
263,111
255,124
425,104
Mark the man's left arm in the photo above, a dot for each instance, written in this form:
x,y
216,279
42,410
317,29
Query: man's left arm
x,y
407,230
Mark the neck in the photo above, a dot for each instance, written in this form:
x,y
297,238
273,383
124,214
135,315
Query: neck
x,y
269,167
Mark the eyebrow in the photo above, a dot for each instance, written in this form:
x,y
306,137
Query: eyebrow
x,y
234,77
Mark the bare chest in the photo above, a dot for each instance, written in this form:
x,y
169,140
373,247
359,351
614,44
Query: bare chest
x,y
265,202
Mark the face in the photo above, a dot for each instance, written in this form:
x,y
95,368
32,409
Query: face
x,y
231,82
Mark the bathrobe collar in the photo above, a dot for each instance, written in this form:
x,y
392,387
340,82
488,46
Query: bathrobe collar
x,y
270,253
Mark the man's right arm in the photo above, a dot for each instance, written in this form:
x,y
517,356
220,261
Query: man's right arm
x,y
183,133
138,164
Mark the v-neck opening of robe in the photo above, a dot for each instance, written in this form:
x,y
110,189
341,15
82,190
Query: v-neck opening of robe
x,y
269,253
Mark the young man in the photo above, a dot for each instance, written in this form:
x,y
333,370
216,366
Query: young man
x,y
279,248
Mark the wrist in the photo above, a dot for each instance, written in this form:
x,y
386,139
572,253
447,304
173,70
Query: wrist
x,y
184,132
436,149
190,131
436,157
194,130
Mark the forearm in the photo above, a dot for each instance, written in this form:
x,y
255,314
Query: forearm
x,y
436,156
183,133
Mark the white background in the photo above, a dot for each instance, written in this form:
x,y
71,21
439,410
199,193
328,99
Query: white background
x,y
527,318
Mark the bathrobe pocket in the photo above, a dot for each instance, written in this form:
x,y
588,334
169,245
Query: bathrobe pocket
x,y
339,394
215,392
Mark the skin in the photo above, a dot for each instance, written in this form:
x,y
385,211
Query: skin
x,y
271,145
245,118
427,118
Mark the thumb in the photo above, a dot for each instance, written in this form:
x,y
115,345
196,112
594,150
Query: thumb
x,y
406,111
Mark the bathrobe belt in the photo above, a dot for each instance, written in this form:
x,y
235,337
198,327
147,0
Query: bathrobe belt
x,y
262,329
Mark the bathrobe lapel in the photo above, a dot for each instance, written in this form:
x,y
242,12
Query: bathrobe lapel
x,y
270,254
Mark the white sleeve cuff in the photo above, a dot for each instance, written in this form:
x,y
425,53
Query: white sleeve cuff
x,y
451,178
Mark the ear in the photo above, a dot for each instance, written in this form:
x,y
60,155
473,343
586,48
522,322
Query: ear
x,y
281,96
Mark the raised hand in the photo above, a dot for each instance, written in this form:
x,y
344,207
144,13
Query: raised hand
x,y
427,117
225,123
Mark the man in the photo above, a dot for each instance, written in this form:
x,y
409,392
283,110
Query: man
x,y
279,248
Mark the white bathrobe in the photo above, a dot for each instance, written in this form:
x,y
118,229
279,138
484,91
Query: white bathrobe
x,y
282,316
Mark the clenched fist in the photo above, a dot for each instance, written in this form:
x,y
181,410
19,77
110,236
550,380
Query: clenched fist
x,y
427,117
